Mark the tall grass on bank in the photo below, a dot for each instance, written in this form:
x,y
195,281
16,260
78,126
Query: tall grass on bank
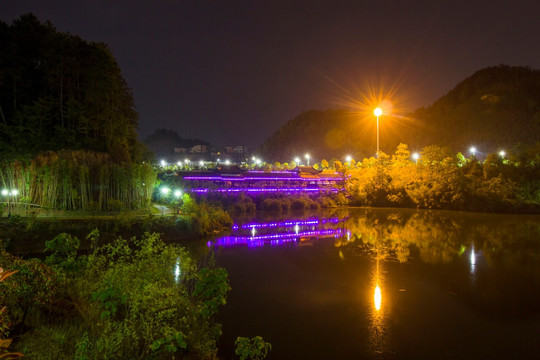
x,y
79,180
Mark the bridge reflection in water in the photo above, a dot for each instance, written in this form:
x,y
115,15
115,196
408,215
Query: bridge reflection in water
x,y
277,233
296,232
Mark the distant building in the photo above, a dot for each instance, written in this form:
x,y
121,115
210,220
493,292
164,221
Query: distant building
x,y
240,149
180,150
198,149
229,149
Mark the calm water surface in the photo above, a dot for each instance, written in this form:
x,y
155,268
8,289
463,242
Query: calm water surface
x,y
384,283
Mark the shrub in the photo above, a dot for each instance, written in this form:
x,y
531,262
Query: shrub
x,y
255,348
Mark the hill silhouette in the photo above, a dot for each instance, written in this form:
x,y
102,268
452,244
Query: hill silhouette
x,y
494,108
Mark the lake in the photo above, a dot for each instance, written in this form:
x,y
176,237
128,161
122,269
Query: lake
x,y
384,284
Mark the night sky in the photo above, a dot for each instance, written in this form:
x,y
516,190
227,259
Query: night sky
x,y
233,72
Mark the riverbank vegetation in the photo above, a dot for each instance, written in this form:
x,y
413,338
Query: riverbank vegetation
x,y
437,179
247,203
130,298
79,180
440,180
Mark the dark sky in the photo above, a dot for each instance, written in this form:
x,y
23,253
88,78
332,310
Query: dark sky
x,y
232,72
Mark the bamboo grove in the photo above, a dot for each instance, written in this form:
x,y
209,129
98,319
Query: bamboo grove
x,y
79,180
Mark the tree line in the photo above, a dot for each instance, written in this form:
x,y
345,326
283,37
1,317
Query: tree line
x,y
58,91
441,180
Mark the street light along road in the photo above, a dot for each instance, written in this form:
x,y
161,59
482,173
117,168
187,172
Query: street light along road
x,y
378,112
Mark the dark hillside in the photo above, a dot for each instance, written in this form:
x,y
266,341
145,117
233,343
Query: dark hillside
x,y
494,108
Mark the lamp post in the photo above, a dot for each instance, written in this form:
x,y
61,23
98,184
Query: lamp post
x,y
177,195
377,112
307,158
9,194
415,157
164,192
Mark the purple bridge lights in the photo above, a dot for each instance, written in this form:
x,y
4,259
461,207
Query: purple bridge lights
x,y
279,233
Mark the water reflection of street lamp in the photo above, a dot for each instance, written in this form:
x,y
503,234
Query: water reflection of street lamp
x,y
377,297
378,112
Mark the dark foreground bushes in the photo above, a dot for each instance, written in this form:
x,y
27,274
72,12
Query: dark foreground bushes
x,y
128,299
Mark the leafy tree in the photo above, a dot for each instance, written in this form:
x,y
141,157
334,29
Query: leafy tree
x,y
324,164
255,348
5,343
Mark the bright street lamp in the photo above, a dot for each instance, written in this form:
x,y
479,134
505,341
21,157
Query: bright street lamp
x,y
348,158
378,112
472,150
177,193
502,153
307,158
227,162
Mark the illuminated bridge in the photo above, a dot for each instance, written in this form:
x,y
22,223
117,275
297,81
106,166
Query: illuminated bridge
x,y
226,180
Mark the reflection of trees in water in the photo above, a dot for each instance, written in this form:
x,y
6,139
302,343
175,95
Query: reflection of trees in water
x,y
439,237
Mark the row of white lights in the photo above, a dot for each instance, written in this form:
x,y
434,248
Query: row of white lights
x,y
7,192
201,163
297,160
165,191
415,156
